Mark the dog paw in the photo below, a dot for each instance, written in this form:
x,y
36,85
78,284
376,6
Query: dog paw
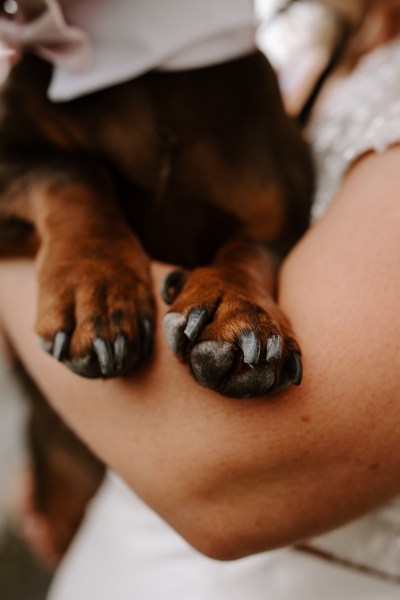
x,y
95,316
235,344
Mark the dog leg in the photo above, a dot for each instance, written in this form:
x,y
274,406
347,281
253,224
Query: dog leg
x,y
95,306
225,324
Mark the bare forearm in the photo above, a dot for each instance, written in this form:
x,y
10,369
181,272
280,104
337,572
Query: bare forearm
x,y
238,476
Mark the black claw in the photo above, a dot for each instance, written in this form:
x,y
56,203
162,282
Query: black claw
x,y
198,317
61,343
251,348
274,348
121,349
294,368
174,325
173,285
104,355
146,327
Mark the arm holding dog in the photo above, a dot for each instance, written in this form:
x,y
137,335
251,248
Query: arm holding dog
x,y
235,477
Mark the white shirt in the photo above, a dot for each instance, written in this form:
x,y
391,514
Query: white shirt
x,y
130,38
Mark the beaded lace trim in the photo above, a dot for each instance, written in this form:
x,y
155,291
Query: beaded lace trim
x,y
362,115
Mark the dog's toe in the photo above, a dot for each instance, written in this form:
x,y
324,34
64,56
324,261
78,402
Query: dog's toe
x,y
121,353
61,345
274,348
146,336
235,342
172,285
85,366
112,359
294,368
249,383
180,331
219,366
212,361
197,318
58,347
105,358
102,329
174,325
250,345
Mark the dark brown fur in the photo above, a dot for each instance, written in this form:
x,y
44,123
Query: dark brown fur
x,y
189,160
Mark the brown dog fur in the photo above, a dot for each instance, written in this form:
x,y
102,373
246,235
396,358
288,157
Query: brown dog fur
x,y
203,167
189,161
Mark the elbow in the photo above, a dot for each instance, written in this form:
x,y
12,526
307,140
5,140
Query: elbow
x,y
226,537
226,542
230,528
222,547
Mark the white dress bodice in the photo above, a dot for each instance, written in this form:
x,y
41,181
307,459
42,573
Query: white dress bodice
x,y
361,115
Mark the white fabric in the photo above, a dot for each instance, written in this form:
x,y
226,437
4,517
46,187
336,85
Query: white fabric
x,y
125,551
130,38
299,44
363,114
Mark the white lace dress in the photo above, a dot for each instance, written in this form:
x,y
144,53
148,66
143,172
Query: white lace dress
x,y
125,551
362,115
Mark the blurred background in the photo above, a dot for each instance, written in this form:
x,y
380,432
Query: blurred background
x,y
21,577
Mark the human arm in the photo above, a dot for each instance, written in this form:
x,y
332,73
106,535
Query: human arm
x,y
239,476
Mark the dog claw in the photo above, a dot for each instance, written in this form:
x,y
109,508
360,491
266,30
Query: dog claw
x,y
196,321
105,357
174,325
146,327
294,368
121,350
61,343
274,348
172,285
251,348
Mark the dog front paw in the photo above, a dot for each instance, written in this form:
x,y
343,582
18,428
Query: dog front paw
x,y
235,343
95,311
